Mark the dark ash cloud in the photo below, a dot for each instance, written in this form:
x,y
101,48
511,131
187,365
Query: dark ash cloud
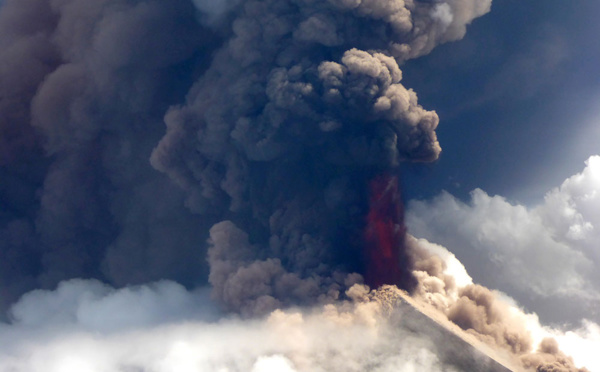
x,y
288,108
297,112
84,89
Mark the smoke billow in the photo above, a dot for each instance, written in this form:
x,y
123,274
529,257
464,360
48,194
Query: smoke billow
x,y
481,312
84,88
278,113
282,134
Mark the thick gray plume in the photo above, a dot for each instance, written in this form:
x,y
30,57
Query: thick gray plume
x,y
83,88
297,110
291,105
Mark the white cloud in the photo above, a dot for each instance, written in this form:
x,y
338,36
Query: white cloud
x,y
583,344
572,210
545,251
275,363
443,13
453,268
84,326
491,233
97,307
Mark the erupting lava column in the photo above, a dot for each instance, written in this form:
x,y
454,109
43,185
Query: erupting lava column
x,y
386,259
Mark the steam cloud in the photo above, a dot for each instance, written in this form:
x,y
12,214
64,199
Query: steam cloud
x,y
278,114
90,326
361,334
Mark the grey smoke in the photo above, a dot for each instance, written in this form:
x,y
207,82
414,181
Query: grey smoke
x,y
84,89
482,313
276,113
304,102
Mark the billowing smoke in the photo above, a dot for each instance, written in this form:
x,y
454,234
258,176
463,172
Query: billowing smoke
x,y
281,136
251,145
289,109
84,88
481,312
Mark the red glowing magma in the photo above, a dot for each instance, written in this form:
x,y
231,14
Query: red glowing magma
x,y
386,260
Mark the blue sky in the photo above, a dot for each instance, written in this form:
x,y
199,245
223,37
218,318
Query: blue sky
x,y
517,100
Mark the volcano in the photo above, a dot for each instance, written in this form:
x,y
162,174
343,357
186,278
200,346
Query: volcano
x,y
453,346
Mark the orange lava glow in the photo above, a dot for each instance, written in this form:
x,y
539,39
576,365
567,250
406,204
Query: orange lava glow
x,y
385,231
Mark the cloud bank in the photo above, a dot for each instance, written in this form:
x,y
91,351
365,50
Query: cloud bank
x,y
99,329
87,325
543,255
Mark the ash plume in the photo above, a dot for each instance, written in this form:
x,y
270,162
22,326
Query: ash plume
x,y
298,111
278,114
481,313
84,88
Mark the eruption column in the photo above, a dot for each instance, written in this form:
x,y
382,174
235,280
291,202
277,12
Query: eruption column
x,y
386,259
